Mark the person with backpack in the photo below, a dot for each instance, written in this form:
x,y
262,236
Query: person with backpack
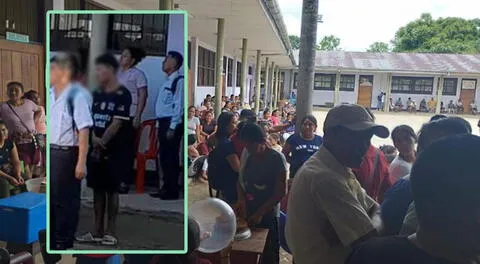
x,y
70,121
169,112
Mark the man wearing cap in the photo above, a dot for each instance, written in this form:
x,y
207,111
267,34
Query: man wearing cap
x,y
328,211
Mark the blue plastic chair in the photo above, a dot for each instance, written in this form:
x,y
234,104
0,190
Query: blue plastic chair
x,y
283,241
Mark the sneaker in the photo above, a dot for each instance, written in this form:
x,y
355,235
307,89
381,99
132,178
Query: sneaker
x,y
109,240
88,238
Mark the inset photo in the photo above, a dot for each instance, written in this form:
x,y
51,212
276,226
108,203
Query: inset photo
x,y
115,182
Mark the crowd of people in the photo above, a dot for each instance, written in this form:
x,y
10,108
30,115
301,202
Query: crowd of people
x,y
428,107
94,130
22,139
346,201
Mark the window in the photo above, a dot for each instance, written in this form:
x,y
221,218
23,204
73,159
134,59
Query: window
x,y
413,85
224,64
206,67
250,70
324,82
148,32
239,72
347,82
70,32
189,54
366,79
230,72
450,86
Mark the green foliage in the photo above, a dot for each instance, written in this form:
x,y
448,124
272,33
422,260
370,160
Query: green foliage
x,y
329,43
444,35
295,42
379,47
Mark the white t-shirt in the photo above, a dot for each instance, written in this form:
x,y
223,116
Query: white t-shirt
x,y
193,123
399,168
133,79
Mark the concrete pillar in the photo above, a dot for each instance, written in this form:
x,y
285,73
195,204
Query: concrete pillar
x,y
219,66
234,74
336,95
439,95
58,4
266,82
98,45
193,67
258,70
270,90
388,93
166,5
243,80
276,90
292,82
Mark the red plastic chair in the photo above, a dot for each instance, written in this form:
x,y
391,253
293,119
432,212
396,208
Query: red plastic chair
x,y
149,154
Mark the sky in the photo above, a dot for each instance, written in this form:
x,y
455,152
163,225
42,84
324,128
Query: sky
x,y
359,23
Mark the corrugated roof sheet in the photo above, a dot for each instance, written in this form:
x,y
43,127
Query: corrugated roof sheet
x,y
398,62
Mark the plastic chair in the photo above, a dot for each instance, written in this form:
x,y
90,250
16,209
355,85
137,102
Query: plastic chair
x,y
147,128
281,235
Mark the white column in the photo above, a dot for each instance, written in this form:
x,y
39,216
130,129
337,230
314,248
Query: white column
x,y
194,65
243,80
166,5
258,70
98,45
219,66
58,4
234,74
336,95
439,95
388,93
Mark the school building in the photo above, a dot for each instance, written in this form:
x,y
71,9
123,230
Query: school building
x,y
359,77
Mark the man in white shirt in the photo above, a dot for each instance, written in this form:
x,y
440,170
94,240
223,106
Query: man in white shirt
x,y
70,121
169,112
328,210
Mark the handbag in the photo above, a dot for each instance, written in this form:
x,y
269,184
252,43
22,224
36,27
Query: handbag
x,y
36,139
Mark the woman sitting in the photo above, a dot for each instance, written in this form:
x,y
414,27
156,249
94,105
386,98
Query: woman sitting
x,y
10,169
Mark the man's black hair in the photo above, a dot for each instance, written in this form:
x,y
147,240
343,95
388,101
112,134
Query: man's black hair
x,y
440,128
138,54
445,175
248,115
252,133
437,117
107,59
177,57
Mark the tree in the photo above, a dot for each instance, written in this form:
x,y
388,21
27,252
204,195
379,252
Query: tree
x,y
329,43
444,35
379,47
295,42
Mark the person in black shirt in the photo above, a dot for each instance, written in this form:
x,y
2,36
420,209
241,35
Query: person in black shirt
x,y
10,172
445,186
111,147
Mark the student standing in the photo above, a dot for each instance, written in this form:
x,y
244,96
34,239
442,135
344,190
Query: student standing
x,y
132,78
109,159
70,121
169,112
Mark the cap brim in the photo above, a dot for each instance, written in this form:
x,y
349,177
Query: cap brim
x,y
378,130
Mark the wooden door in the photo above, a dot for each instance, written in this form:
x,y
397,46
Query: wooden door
x,y
365,95
467,94
23,63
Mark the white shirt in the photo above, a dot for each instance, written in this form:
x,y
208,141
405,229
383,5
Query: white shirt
x,y
168,104
399,168
193,124
62,132
133,79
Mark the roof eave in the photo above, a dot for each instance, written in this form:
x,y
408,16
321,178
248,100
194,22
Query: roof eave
x,y
272,10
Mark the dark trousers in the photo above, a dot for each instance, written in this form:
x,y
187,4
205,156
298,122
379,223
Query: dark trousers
x,y
64,198
271,252
170,155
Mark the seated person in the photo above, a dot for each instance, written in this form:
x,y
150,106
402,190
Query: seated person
x,y
473,107
432,104
445,186
460,106
442,107
451,107
10,168
398,104
423,106
411,107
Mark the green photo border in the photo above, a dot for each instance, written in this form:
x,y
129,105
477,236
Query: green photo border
x,y
185,142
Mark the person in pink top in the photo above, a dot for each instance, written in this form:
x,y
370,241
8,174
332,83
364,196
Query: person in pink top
x,y
40,127
275,117
130,76
20,116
